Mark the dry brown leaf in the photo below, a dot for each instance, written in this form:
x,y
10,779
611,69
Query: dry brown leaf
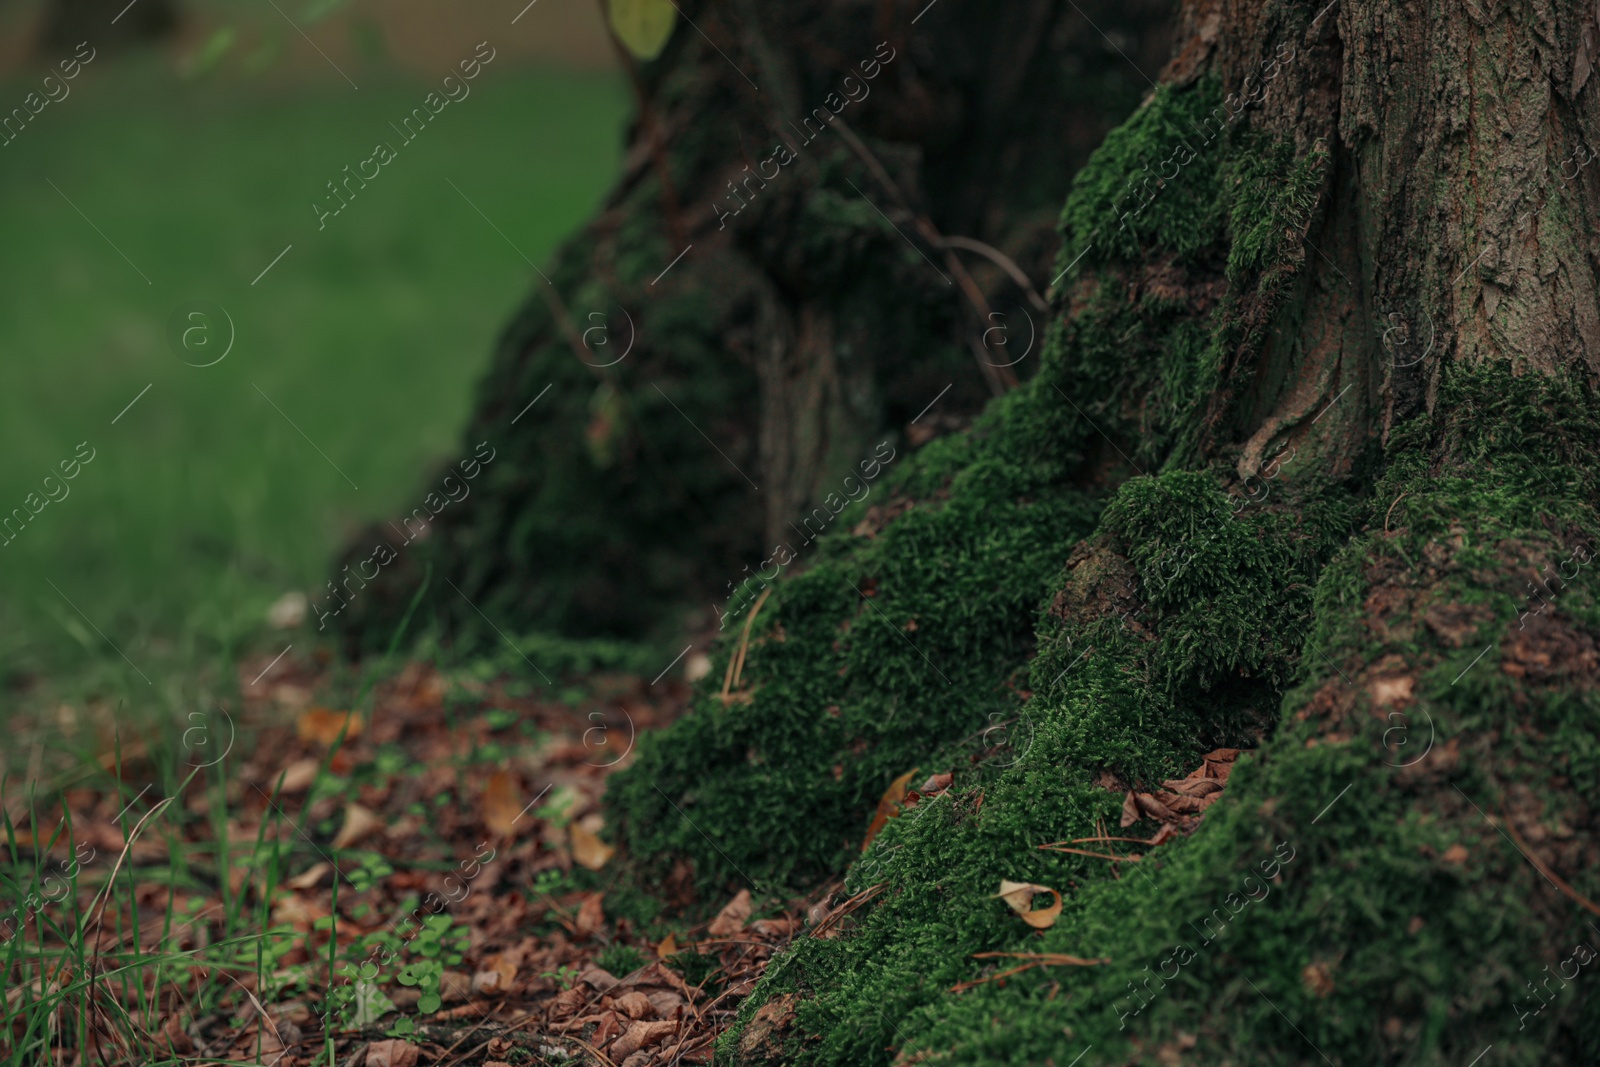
x,y
635,1005
591,917
639,1035
359,824
1455,854
1193,787
309,879
668,946
731,919
587,848
495,975
1130,811
323,726
391,1053
502,803
888,805
299,776
936,783
1154,809
1019,898
1317,978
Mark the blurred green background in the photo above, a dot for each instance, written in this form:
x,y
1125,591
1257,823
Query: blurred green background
x,y
198,158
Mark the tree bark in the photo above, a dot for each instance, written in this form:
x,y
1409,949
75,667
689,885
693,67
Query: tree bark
x,y
785,315
1322,376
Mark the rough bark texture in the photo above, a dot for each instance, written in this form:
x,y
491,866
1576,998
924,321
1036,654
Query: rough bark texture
x,y
815,314
1308,470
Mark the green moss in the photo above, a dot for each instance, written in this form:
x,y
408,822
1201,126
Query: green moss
x,y
1166,157
1373,942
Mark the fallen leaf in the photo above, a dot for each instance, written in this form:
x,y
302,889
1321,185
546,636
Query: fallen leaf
x,y
323,727
731,919
391,1053
494,976
502,803
1193,787
936,783
1154,809
1019,898
359,824
1455,854
590,916
298,776
668,946
888,805
644,27
310,878
587,848
1317,979
1130,811
638,1036
635,1005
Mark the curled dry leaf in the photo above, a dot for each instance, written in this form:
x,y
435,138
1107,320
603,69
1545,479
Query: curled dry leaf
x,y
323,726
731,919
587,848
638,1036
1130,810
359,824
888,805
502,803
1019,898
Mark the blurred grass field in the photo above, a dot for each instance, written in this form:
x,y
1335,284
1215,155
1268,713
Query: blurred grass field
x,y
203,503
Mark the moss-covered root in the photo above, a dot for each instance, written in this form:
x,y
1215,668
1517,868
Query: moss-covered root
x,y
1399,875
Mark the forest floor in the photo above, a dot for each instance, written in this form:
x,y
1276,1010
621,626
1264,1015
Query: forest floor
x,y
422,882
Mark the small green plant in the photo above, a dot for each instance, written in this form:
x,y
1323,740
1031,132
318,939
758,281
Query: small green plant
x,y
564,976
620,959
372,869
695,967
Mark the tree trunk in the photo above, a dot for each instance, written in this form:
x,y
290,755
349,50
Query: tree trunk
x,y
1308,471
799,260
104,24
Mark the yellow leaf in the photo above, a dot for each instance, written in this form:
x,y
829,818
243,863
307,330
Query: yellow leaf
x,y
1019,898
668,947
502,803
643,26
587,848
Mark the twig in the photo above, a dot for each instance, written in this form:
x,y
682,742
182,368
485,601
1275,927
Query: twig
x,y
1004,262
736,664
1390,512
1094,855
1000,379
1544,869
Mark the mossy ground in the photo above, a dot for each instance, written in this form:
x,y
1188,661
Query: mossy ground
x,y
1345,899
